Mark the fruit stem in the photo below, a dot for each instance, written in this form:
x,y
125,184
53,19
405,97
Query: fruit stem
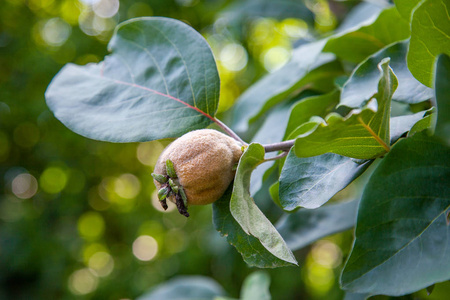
x,y
281,155
281,146
229,131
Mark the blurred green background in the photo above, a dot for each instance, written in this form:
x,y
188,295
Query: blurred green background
x,y
79,218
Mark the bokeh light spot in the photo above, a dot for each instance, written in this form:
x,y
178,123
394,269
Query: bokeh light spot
x,y
145,248
107,191
91,225
233,57
91,249
262,31
275,58
294,28
127,186
102,263
95,201
55,32
319,279
91,2
106,8
70,11
148,153
157,205
92,24
327,254
24,186
153,229
53,180
82,282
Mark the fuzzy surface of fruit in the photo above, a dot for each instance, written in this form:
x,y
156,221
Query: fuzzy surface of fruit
x,y
204,164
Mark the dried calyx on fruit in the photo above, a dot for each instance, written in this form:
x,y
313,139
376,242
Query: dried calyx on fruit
x,y
196,168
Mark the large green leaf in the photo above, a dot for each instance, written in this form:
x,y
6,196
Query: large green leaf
x,y
305,226
310,182
247,213
364,134
406,7
442,89
256,286
306,108
307,64
251,249
402,236
363,82
430,36
185,288
151,86
358,44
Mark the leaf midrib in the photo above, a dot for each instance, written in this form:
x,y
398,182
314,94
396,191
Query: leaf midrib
x,y
135,85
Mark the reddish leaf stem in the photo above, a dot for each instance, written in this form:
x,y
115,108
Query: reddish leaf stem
x,y
217,121
229,131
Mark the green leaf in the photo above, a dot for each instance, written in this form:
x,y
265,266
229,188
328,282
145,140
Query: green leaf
x,y
185,288
430,36
251,249
406,7
422,124
150,87
354,296
363,82
244,210
241,11
402,239
442,90
256,286
358,44
312,181
362,14
274,193
305,226
307,64
306,108
271,131
364,134
402,124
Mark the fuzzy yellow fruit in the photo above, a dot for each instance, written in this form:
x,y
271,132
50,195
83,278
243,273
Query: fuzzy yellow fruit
x,y
204,162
